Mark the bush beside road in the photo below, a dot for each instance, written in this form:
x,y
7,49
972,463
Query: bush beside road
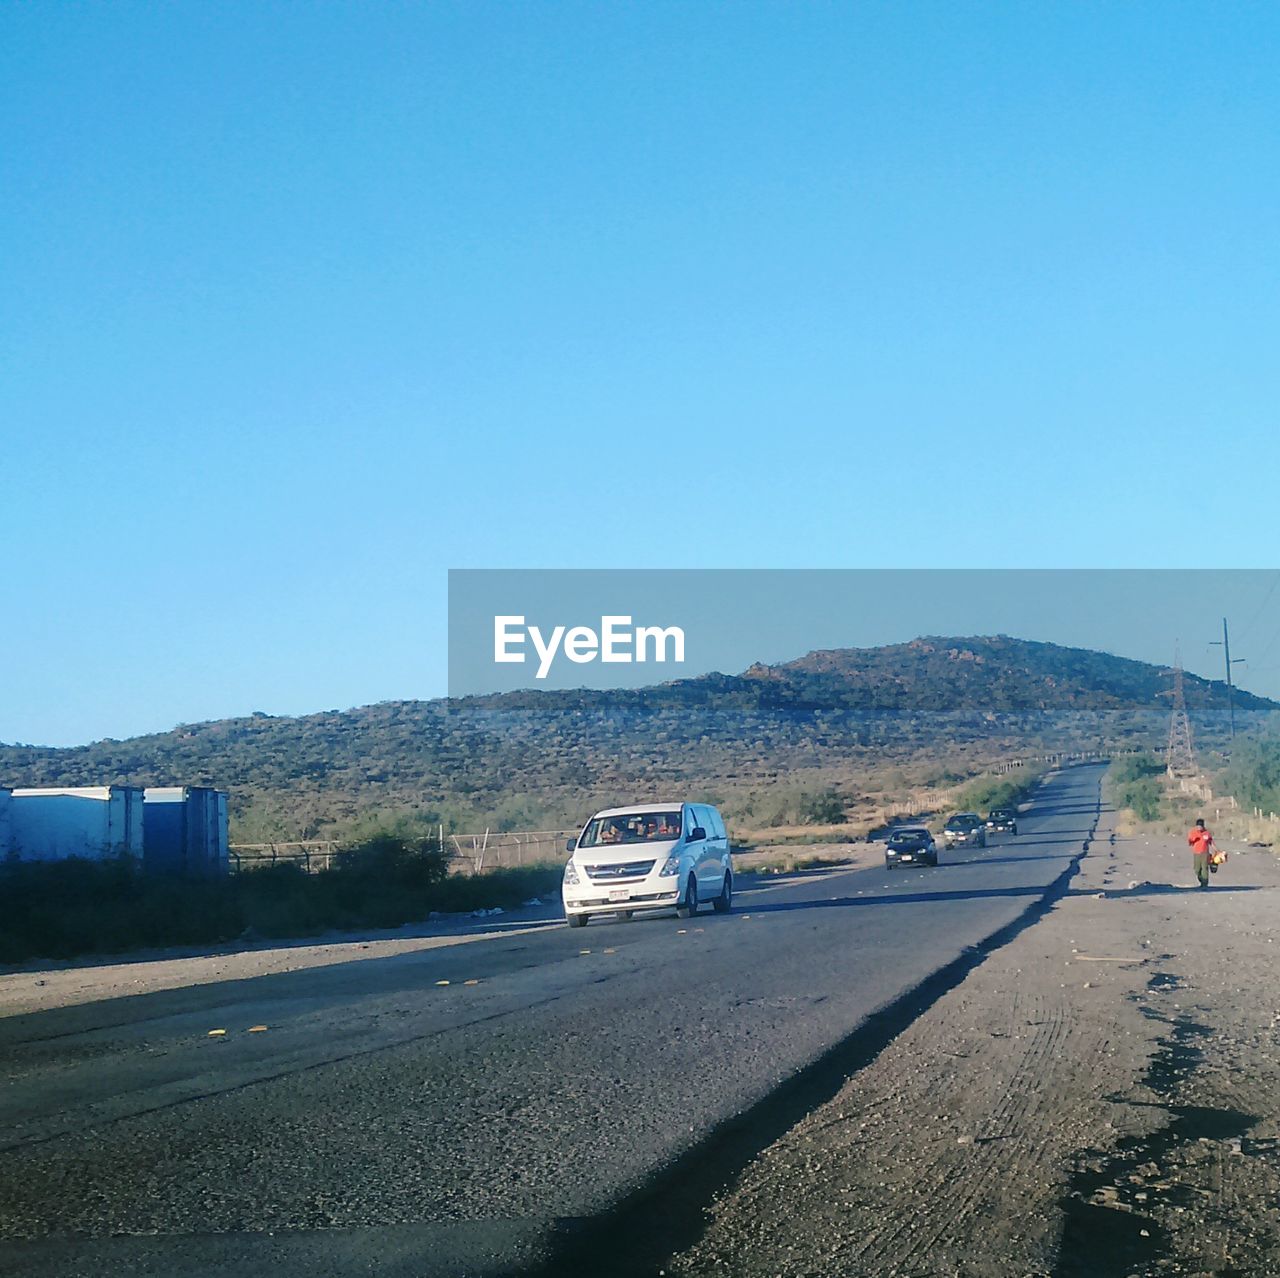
x,y
62,909
1002,791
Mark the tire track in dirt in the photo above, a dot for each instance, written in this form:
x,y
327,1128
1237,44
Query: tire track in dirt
x,y
917,1187
1009,1149
1001,1153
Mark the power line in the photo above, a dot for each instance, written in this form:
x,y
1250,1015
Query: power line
x,y
1266,652
1275,581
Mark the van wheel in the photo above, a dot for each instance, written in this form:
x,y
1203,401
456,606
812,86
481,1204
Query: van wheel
x,y
578,920
724,902
627,915
689,908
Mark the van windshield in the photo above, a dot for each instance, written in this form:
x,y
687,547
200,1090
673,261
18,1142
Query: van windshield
x,y
631,827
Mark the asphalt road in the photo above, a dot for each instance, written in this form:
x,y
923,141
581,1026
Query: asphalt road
x,y
388,1123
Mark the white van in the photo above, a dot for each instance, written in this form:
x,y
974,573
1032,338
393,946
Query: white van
x,y
653,856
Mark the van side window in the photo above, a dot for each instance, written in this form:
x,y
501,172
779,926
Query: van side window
x,y
718,822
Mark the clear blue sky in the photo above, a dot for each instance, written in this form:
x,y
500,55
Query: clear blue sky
x,y
304,304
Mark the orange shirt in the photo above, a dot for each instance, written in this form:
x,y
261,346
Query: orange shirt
x,y
1200,840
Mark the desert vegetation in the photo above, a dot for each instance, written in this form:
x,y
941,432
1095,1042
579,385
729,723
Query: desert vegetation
x,y
1138,785
782,746
65,908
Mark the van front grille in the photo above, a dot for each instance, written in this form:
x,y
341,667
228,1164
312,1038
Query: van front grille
x,y
619,873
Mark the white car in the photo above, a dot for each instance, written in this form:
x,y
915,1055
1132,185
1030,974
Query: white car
x,y
653,856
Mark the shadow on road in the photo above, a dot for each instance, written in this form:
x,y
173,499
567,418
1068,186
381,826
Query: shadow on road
x,y
1166,889
895,898
916,898
1055,836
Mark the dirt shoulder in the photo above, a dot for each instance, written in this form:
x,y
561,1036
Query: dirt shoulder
x,y
1096,1098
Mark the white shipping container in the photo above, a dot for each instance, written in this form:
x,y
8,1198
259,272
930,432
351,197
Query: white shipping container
x,y
94,822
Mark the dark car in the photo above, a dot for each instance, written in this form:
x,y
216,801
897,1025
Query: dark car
x,y
965,830
1002,821
910,845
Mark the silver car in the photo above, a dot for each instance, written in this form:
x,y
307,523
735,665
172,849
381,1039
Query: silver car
x,y
965,830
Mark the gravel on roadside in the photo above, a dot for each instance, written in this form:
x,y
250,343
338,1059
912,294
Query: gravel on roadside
x,y
1096,1098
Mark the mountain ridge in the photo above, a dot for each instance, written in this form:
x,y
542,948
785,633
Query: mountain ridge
x,y
518,758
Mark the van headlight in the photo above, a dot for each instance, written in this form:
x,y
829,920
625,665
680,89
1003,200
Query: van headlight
x,y
570,875
671,867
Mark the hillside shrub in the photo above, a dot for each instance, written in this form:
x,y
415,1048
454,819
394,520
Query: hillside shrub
x,y
1253,774
1134,767
1142,797
1135,784
796,805
1005,791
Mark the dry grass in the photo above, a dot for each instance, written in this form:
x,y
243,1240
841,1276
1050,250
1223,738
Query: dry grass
x,y
1179,812
786,860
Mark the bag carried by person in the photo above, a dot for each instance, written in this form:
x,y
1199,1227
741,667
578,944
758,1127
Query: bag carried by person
x,y
1216,858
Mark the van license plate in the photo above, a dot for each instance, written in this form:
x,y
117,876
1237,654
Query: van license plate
x,y
907,858
618,894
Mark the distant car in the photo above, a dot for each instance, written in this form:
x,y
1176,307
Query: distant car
x,y
965,830
1002,821
908,845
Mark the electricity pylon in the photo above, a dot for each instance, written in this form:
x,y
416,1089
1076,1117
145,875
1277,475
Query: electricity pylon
x,y
1180,756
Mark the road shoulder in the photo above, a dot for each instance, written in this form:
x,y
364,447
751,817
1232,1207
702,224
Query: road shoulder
x,y
1096,1097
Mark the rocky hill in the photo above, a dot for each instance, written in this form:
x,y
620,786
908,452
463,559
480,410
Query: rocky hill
x,y
528,759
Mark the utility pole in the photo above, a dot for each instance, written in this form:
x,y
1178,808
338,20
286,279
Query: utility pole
x,y
1226,653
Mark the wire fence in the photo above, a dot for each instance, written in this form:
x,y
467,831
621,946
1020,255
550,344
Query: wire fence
x,y
493,850
466,853
311,855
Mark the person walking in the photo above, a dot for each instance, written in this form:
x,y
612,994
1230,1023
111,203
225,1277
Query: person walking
x,y
1201,841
